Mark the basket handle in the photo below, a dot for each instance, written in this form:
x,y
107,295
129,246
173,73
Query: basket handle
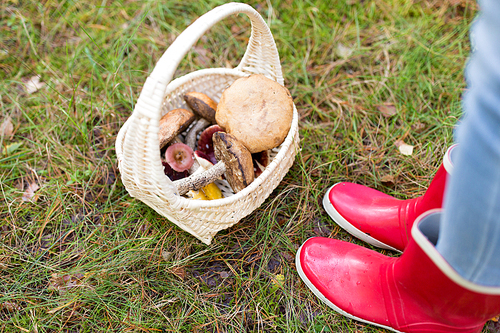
x,y
141,141
261,55
261,47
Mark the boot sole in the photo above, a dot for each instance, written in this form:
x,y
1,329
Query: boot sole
x,y
344,224
325,300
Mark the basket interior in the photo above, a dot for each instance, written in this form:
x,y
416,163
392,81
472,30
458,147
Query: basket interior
x,y
211,82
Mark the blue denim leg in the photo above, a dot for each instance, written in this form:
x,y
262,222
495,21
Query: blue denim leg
x,y
470,228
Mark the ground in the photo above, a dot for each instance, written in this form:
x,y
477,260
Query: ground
x,y
370,78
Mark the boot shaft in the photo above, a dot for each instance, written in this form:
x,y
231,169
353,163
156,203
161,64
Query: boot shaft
x,y
433,197
439,291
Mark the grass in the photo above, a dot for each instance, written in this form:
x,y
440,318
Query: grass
x,y
83,256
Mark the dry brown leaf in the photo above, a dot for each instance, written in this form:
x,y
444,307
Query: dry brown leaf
x,y
235,29
180,272
166,255
404,148
30,192
202,57
10,306
387,180
6,129
418,127
387,109
63,283
33,84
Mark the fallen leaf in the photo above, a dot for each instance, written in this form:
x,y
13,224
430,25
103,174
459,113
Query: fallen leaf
x,y
418,127
387,109
180,272
278,281
6,129
10,306
201,58
166,255
63,283
387,180
495,319
344,51
404,148
274,263
30,192
33,84
235,29
9,149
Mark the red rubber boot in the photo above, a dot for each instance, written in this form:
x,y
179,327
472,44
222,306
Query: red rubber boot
x,y
417,292
380,219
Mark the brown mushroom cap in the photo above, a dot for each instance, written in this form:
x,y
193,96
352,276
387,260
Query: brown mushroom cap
x,y
173,123
202,105
237,159
257,111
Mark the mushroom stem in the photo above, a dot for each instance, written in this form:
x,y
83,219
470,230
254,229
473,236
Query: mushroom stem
x,y
197,181
176,139
194,130
194,167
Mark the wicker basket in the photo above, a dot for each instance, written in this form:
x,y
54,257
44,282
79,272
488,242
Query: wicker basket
x,y
137,144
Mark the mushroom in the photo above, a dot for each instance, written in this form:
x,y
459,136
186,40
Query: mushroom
x,y
191,135
203,159
205,143
212,191
235,162
257,111
173,123
179,156
201,162
203,106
